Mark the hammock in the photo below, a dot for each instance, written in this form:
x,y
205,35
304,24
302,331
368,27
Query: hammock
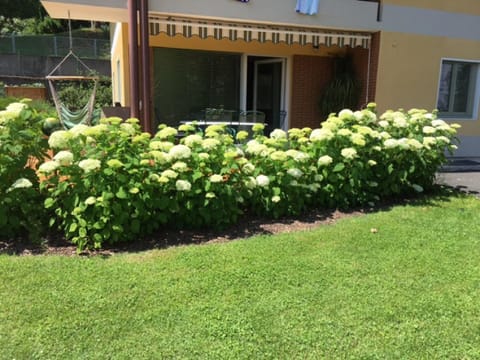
x,y
67,117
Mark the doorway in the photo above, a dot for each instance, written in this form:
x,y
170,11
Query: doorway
x,y
266,77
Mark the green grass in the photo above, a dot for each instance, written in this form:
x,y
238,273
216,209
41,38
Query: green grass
x,y
409,291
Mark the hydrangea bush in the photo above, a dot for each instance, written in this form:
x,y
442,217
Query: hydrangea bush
x,y
110,182
21,143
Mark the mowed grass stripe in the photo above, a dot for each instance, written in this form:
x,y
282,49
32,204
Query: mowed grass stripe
x,y
409,290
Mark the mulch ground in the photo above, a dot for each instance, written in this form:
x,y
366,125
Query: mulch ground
x,y
248,226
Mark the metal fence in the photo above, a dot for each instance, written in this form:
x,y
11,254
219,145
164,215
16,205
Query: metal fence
x,y
48,45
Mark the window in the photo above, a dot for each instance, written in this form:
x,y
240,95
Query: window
x,y
457,89
186,82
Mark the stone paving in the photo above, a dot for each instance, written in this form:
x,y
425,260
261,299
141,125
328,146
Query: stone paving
x,y
462,174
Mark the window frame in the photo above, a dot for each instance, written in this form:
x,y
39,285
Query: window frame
x,y
473,91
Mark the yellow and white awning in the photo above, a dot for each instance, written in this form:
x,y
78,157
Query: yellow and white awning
x,y
255,32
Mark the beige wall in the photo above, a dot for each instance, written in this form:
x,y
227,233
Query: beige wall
x,y
471,7
409,70
120,53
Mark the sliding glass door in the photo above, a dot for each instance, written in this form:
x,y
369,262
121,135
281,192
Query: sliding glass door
x,y
186,82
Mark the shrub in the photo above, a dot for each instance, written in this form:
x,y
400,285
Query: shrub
x,y
21,144
110,182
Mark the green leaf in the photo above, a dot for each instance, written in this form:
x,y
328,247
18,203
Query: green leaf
x,y
82,232
73,227
49,202
339,167
121,194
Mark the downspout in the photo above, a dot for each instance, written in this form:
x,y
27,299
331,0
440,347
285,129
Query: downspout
x,y
133,54
145,51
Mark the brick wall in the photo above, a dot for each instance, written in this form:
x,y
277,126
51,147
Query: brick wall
x,y
365,75
310,76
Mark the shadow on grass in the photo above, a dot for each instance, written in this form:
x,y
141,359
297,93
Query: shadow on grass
x,y
246,227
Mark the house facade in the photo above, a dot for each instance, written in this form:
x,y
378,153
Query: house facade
x,y
182,59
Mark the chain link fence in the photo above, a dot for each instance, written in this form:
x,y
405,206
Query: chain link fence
x,y
48,45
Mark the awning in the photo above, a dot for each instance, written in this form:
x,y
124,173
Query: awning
x,y
258,32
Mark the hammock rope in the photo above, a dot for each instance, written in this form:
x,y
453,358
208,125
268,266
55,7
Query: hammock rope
x,y
67,117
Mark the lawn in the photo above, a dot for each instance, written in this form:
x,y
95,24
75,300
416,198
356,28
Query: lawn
x,y
409,290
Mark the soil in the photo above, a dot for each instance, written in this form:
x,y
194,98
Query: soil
x,y
247,227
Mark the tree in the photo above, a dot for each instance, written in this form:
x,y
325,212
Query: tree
x,y
22,9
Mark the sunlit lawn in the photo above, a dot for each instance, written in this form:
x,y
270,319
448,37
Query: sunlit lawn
x,y
411,290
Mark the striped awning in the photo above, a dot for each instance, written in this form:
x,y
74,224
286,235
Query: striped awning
x,y
255,32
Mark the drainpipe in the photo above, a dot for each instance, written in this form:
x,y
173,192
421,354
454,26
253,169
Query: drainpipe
x,y
145,51
133,54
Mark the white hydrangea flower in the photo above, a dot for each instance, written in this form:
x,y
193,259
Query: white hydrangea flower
x,y
78,130
14,109
128,128
400,122
262,180
248,168
21,183
276,199
358,115
438,122
429,140
215,178
443,139
210,195
160,156
428,130
278,134
180,166
203,156
48,167
324,160
169,174
183,185
250,183
385,135
59,139
210,143
294,172
390,143
349,153
403,143
358,139
89,165
344,132
96,130
180,152
166,133
64,158
345,114
278,155
322,134
192,140
383,123
298,156
415,144
160,145
255,148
